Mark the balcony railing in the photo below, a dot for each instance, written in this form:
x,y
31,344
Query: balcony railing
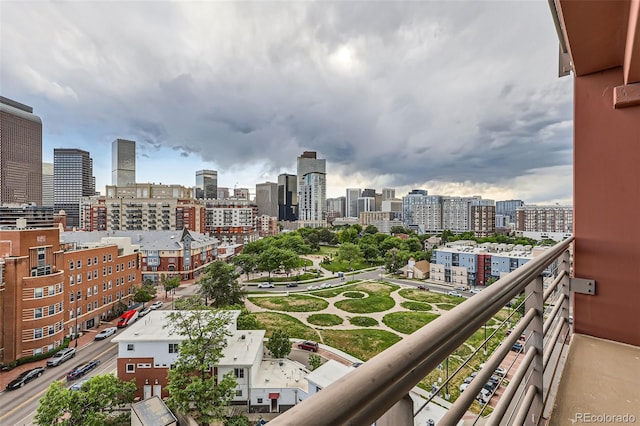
x,y
368,392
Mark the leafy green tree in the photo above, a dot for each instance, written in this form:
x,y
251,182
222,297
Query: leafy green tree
x,y
326,236
193,388
349,252
99,402
396,259
169,283
371,229
246,262
369,252
256,247
279,344
144,293
289,261
219,284
389,243
412,244
357,227
237,420
349,235
315,361
248,321
270,259
399,230
186,303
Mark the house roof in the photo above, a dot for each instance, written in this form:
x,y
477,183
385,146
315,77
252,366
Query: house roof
x,y
422,265
328,373
147,240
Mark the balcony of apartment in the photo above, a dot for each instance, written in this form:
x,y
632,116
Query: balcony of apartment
x,y
580,360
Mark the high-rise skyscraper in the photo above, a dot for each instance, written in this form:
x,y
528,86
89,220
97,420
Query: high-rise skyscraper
x,y
72,180
123,162
20,153
47,184
287,197
206,184
267,199
351,203
388,194
312,187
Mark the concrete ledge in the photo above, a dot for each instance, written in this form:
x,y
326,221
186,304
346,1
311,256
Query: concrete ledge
x,y
626,96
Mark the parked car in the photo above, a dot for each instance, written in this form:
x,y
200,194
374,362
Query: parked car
x,y
475,291
107,332
463,387
500,372
155,305
78,385
25,377
517,347
308,345
468,380
462,288
145,311
82,370
292,285
266,285
62,356
454,293
423,287
128,317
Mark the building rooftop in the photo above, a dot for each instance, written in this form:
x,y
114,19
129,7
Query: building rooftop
x,y
242,346
328,373
153,412
147,240
281,373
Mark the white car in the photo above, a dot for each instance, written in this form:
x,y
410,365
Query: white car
x,y
266,285
475,291
454,293
157,304
145,311
463,387
500,372
106,333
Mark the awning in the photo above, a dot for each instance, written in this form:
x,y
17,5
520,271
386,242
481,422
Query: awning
x,y
274,395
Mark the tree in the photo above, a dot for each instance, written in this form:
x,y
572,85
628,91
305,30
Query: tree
x,y
399,230
193,388
95,404
144,293
279,344
219,284
349,252
413,244
169,283
270,259
246,262
371,229
349,235
315,361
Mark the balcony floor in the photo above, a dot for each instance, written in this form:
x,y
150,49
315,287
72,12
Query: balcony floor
x,y
600,377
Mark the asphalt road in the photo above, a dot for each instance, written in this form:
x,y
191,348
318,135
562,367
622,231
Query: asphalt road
x,y
18,407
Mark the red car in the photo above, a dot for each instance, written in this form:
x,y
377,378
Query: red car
x,y
308,346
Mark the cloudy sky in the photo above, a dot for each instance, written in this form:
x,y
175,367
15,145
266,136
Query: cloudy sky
x,y
459,98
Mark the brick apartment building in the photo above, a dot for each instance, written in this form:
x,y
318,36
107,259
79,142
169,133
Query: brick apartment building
x,y
48,291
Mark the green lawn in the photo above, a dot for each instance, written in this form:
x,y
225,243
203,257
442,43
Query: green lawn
x,y
445,306
334,291
353,294
429,296
363,343
292,303
366,305
416,306
327,250
364,321
295,328
408,322
342,266
325,319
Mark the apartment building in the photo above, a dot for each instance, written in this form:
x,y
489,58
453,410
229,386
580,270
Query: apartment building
x,y
183,253
232,221
51,290
267,226
312,187
552,219
483,220
72,180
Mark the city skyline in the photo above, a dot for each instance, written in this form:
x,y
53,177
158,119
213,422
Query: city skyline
x,y
402,95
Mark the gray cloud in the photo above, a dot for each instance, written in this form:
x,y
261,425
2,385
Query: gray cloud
x,y
414,92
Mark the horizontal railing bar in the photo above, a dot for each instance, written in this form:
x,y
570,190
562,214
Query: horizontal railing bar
x,y
553,314
364,394
523,411
553,285
460,406
551,344
507,396
555,367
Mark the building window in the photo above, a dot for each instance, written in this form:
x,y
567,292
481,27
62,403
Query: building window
x,y
131,368
95,260
52,329
37,333
95,274
37,293
89,291
173,348
71,265
259,400
110,258
89,262
89,276
130,346
79,264
104,258
72,297
51,290
239,392
239,373
37,313
79,278
52,310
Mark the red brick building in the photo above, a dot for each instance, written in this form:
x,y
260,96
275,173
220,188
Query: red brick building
x,y
49,290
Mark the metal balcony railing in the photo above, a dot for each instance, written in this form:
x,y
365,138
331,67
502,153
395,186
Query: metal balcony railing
x,y
368,392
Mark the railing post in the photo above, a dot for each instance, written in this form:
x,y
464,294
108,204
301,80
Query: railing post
x,y
565,286
534,299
